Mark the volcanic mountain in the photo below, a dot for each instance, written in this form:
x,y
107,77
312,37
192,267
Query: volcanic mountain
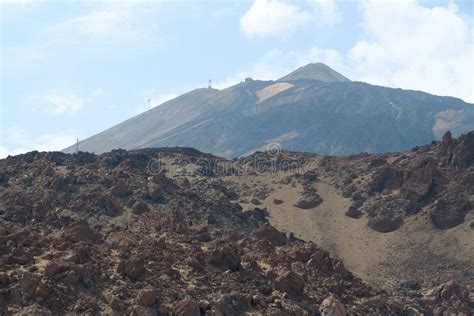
x,y
313,109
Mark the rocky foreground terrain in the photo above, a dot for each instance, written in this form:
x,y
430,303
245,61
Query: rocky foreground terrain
x,y
175,231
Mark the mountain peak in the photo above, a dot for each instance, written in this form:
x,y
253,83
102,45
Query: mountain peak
x,y
315,71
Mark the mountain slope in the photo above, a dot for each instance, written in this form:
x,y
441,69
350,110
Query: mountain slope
x,y
337,117
179,232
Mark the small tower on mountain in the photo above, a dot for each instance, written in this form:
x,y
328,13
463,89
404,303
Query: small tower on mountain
x,y
210,84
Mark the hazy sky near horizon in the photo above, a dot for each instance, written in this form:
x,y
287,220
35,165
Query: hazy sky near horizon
x,y
74,68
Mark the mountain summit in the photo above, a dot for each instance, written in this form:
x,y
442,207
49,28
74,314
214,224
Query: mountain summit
x,y
313,109
315,71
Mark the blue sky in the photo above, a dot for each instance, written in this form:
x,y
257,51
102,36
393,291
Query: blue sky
x,y
74,68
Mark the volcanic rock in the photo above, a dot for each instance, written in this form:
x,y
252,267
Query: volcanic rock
x,y
331,306
353,212
188,307
225,257
270,234
81,231
133,268
385,223
450,211
307,202
120,189
290,283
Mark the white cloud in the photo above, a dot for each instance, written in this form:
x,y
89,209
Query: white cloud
x,y
403,45
272,18
415,47
110,23
328,13
43,142
20,2
61,102
276,18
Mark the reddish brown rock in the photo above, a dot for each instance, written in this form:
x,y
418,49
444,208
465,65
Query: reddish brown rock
x,y
307,202
188,307
81,231
270,234
255,201
463,153
146,297
277,201
388,178
140,207
332,306
225,257
133,268
290,283
450,211
120,189
155,191
353,212
385,223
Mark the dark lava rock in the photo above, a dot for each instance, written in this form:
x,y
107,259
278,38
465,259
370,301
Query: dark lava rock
x,y
353,212
385,223
307,202
81,231
388,178
270,234
450,212
290,283
225,258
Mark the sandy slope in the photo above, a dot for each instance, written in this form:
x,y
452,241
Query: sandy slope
x,y
416,251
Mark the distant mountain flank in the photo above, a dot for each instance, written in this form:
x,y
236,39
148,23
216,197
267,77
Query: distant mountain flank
x,y
312,109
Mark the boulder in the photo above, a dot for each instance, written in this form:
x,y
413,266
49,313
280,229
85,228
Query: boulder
x,y
389,178
422,180
187,307
155,190
277,201
81,231
225,257
353,212
307,202
120,189
133,268
140,207
310,176
331,306
146,297
463,152
112,206
232,304
450,211
270,234
255,201
290,283
384,223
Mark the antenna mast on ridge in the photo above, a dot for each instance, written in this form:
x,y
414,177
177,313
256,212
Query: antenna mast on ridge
x,y
77,145
210,84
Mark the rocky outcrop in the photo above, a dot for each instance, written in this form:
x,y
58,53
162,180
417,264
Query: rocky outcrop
x,y
388,178
450,211
87,234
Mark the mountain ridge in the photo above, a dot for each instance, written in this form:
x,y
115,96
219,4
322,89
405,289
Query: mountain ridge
x,y
336,117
